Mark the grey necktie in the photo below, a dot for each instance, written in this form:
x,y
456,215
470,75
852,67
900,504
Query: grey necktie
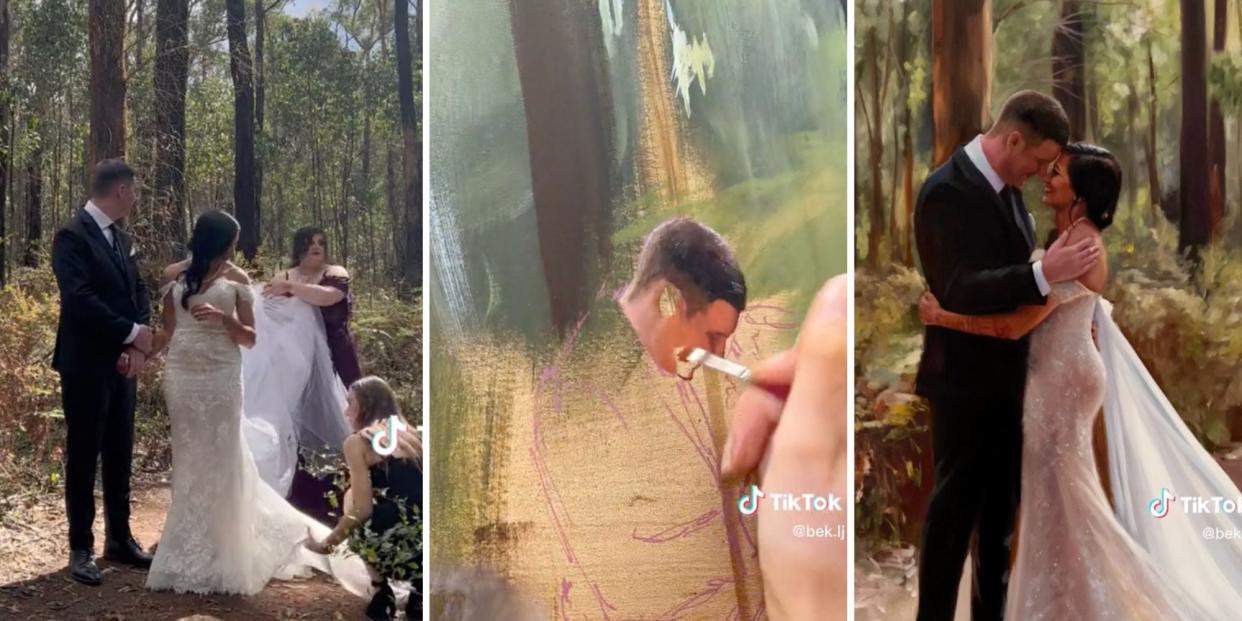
x,y
116,247
1010,195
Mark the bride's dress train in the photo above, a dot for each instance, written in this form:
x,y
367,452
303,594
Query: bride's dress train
x,y
1151,449
227,531
1075,560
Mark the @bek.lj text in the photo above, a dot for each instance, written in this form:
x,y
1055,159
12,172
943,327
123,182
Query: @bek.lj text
x,y
807,502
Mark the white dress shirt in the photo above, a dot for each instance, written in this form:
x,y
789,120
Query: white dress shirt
x,y
105,227
974,151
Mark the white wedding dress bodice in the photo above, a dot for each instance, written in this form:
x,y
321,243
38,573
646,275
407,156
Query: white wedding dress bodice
x,y
1075,561
227,531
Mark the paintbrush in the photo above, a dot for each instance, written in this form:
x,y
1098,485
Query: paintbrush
x,y
704,358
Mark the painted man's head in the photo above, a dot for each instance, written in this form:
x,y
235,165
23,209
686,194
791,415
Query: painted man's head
x,y
687,292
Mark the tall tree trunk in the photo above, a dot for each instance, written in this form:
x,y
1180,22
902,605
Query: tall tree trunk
x,y
363,186
1238,129
344,214
1132,155
412,261
1196,215
907,145
875,153
961,73
172,68
140,34
107,47
240,66
394,214
1069,66
34,208
1153,164
569,147
260,42
1216,128
5,150
56,161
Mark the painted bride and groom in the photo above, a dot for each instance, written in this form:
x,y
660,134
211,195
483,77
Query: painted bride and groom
x,y
1015,380
229,528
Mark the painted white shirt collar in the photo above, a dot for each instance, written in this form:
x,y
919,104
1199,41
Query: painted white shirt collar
x,y
974,150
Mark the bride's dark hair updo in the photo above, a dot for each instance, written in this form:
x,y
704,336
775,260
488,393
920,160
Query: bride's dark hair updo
x,y
1095,176
302,239
214,234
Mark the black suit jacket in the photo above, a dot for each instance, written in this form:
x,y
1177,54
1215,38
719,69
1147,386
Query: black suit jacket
x,y
101,296
975,257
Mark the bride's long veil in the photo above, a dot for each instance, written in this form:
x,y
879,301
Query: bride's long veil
x,y
292,395
1151,449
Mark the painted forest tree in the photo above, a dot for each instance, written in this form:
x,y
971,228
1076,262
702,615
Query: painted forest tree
x,y
107,93
1069,67
871,101
412,257
172,66
241,68
1216,127
961,73
1195,217
1153,128
5,139
569,167
906,43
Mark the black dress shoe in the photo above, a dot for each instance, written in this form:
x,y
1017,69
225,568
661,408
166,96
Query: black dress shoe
x,y
127,552
83,569
383,604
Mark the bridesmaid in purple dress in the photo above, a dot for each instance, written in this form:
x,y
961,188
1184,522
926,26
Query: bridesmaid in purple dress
x,y
317,282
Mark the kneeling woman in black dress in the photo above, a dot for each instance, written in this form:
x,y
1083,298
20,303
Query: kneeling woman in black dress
x,y
384,500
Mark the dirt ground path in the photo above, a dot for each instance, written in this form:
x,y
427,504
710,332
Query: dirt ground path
x,y
35,586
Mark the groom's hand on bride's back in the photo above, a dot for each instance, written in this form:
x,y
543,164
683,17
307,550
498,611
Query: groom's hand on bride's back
x,y
1065,261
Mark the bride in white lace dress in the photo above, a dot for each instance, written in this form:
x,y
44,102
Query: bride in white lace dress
x,y
1077,558
227,531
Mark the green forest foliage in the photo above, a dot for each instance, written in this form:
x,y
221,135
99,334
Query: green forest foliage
x,y
331,154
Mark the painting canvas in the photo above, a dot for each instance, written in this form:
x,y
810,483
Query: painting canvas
x,y
571,475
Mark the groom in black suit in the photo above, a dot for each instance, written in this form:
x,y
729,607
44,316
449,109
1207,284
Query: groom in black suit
x,y
975,240
104,309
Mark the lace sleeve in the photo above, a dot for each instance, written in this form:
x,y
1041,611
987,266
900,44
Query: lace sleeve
x,y
167,288
1063,292
244,292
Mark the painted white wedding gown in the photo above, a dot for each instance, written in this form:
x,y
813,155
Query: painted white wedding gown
x,y
1076,558
227,531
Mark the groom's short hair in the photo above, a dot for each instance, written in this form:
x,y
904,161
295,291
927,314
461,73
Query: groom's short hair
x,y
694,259
108,174
1038,116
